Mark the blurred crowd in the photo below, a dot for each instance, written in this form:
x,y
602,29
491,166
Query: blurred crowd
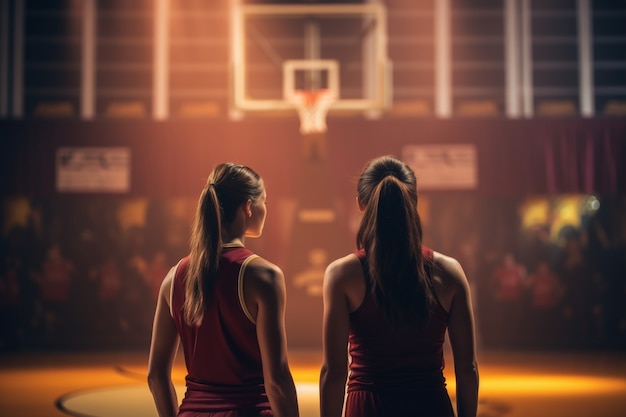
x,y
73,276
78,280
569,295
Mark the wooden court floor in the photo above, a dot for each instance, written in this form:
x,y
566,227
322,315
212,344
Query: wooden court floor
x,y
112,384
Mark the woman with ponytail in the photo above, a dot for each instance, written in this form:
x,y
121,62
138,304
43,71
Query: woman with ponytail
x,y
389,305
225,306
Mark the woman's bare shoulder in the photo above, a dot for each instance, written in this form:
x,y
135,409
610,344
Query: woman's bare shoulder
x,y
165,291
345,263
344,268
449,270
262,271
344,280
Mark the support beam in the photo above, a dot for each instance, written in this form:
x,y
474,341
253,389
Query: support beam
x,y
311,51
527,60
237,62
4,58
585,59
160,82
18,60
512,59
88,64
443,67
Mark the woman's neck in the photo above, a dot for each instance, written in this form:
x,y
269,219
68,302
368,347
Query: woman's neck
x,y
234,233
233,243
231,238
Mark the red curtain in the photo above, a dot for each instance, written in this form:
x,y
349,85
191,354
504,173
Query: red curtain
x,y
585,158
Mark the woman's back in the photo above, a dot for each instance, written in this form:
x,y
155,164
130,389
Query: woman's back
x,y
393,368
391,356
222,354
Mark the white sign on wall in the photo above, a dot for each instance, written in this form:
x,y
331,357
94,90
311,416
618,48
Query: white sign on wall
x,y
93,169
443,167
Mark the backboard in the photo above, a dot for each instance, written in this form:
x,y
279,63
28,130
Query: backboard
x,y
277,49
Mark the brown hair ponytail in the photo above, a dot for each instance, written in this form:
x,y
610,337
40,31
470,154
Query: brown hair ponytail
x,y
228,187
391,234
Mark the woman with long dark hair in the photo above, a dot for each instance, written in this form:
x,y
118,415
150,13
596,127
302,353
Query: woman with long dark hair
x,y
226,306
391,302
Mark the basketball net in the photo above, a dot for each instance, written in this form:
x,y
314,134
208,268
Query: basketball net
x,y
312,107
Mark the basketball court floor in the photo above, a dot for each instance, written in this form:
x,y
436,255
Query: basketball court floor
x,y
112,384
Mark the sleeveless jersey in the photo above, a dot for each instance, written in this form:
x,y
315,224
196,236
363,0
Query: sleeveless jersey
x,y
396,371
222,355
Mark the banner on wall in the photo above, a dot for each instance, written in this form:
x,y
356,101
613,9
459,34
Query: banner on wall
x,y
443,167
93,169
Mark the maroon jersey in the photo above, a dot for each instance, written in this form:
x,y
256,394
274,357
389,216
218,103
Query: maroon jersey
x,y
56,280
222,355
396,371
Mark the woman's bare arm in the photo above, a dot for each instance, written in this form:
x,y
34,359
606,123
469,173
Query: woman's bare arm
x,y
163,348
462,338
265,288
336,326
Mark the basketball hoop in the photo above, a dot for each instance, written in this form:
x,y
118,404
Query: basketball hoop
x,y
312,107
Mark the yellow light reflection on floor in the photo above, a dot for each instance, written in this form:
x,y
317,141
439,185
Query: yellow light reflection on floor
x,y
305,375
552,385
514,383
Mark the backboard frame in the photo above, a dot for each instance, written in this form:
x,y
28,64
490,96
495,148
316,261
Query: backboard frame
x,y
377,81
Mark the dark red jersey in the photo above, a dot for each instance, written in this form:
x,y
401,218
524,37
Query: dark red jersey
x,y
222,355
396,371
